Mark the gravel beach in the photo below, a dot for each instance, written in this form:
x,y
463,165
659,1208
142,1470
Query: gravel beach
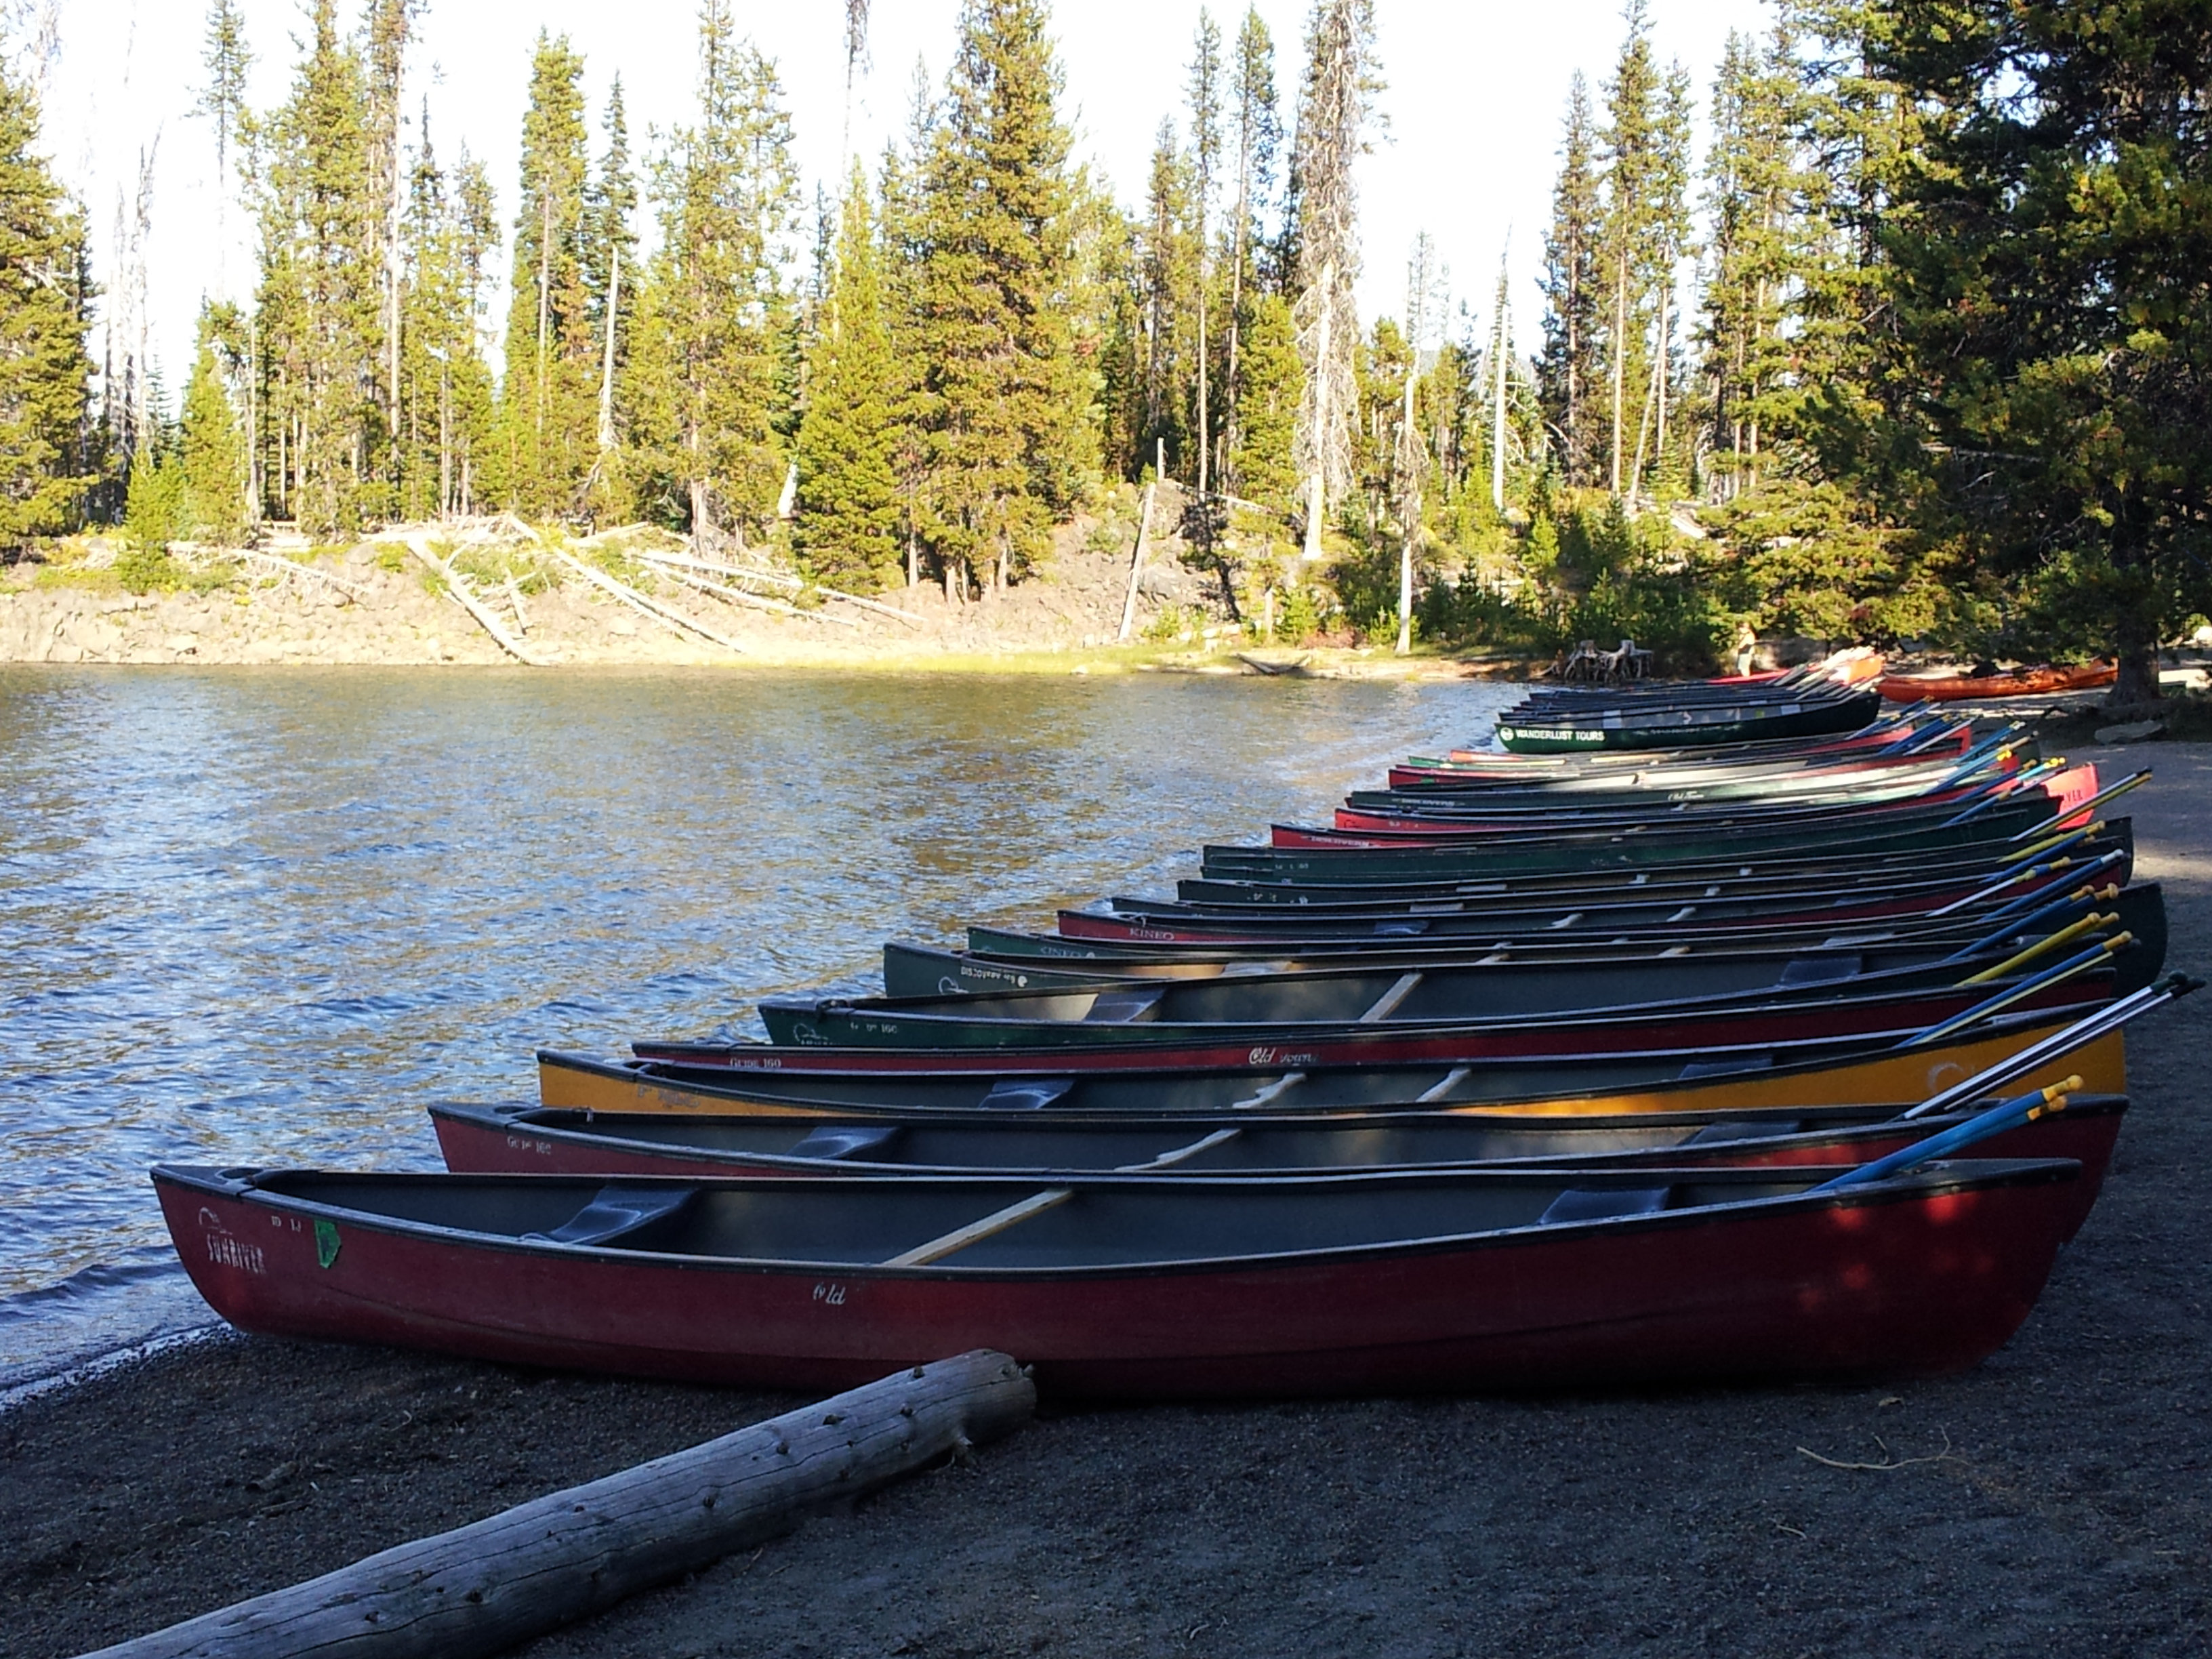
x,y
2058,1499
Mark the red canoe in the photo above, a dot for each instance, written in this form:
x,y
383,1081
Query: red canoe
x,y
1147,1287
1051,1147
2020,683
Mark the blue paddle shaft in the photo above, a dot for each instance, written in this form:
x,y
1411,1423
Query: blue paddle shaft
x,y
2011,1114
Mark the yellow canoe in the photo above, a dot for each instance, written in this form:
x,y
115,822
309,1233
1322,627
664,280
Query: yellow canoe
x,y
1898,1077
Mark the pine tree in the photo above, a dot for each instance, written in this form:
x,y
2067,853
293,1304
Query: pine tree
x,y
1632,152
552,384
1334,104
44,370
319,295
1168,277
2058,418
227,59
448,416
902,232
1259,136
1013,444
609,263
388,25
211,450
154,515
1751,185
728,201
848,523
1570,367
1270,385
1204,168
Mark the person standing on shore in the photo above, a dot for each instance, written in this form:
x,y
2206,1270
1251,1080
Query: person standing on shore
x,y
1746,644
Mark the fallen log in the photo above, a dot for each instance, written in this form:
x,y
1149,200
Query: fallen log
x,y
776,578
738,595
667,616
483,1588
294,567
457,590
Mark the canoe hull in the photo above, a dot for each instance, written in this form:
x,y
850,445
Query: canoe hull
x,y
477,1142
1541,734
900,1035
1913,1280
2028,682
1632,1084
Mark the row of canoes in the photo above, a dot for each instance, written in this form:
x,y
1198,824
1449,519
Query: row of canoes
x,y
1572,1073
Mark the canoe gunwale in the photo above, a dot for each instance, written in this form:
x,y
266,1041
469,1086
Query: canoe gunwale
x,y
245,1185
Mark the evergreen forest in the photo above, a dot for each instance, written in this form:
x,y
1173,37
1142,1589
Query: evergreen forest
x,y
1895,324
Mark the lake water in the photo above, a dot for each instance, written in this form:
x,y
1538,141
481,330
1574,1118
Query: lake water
x,y
262,916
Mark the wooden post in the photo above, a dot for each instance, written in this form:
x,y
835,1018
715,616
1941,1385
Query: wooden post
x,y
481,1589
1137,562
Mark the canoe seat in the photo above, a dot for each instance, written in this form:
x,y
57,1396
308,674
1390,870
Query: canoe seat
x,y
1125,1004
1026,1094
1725,1067
623,1215
1811,970
844,1141
1602,1203
1761,1130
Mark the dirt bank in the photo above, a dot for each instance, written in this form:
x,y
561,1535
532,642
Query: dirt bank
x,y
377,603
380,605
2057,1498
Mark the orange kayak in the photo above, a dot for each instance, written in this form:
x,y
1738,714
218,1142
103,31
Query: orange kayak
x,y
2019,683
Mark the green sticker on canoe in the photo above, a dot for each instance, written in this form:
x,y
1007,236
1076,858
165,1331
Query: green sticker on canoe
x,y
326,1243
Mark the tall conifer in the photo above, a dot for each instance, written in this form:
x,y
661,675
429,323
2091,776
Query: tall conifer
x,y
319,293
611,277
1012,442
1270,382
45,371
728,200
550,388
847,522
1334,106
1573,281
1259,135
212,440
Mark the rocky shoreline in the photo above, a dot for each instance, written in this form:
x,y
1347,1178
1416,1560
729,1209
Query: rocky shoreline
x,y
376,604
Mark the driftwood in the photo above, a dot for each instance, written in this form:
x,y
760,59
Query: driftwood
x,y
667,616
294,567
737,596
776,578
457,589
483,1588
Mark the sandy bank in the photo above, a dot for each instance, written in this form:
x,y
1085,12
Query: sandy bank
x,y
2054,1500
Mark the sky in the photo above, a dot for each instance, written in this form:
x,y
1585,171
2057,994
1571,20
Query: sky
x,y
1475,94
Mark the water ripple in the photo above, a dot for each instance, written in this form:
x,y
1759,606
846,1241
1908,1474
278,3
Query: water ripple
x,y
264,916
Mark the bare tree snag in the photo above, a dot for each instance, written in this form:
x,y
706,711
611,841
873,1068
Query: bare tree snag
x,y
1137,564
